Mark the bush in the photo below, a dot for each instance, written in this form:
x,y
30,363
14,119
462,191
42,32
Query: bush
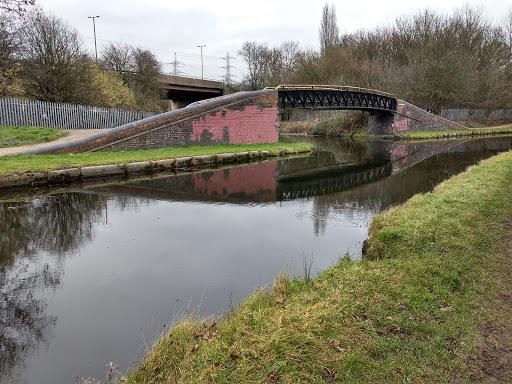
x,y
341,124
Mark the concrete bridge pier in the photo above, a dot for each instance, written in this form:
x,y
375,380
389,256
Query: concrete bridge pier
x,y
380,123
176,104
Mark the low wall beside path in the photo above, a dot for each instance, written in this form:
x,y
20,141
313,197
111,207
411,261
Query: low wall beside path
x,y
409,118
240,118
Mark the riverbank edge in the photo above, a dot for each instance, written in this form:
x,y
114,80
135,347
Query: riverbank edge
x,y
426,135
76,174
410,311
470,132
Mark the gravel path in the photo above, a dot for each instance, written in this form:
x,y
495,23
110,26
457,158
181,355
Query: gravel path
x,y
74,134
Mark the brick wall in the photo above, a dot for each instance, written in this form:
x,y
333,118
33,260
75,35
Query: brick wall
x,y
244,118
410,118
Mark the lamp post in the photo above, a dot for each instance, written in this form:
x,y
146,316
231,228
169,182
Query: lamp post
x,y
202,72
94,27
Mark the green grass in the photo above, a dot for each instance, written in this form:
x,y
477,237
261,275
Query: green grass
x,y
19,136
43,162
409,312
459,132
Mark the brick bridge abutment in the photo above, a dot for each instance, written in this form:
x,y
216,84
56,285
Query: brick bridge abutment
x,y
407,118
240,118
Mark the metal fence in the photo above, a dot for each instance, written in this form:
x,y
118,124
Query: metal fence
x,y
475,114
16,112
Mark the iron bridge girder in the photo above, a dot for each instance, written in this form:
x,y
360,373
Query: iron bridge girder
x,y
334,99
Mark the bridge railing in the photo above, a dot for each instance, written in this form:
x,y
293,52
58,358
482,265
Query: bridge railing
x,y
283,87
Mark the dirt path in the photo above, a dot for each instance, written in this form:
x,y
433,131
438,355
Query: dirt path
x,y
74,134
494,361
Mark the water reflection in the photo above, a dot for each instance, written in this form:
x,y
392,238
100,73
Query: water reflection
x,y
256,183
35,237
24,323
85,274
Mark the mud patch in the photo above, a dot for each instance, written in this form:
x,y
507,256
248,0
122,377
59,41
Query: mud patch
x,y
493,363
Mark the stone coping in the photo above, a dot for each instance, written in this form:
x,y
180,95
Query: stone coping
x,y
72,175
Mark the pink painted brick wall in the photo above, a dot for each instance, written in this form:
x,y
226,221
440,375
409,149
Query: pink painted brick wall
x,y
249,125
258,180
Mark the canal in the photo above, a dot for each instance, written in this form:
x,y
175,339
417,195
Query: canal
x,y
93,276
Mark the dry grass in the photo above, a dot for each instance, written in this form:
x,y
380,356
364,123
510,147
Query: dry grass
x,y
301,127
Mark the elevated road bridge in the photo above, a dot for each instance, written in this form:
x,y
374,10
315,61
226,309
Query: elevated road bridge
x,y
182,91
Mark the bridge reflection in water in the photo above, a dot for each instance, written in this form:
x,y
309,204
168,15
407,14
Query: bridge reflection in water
x,y
325,181
345,179
330,170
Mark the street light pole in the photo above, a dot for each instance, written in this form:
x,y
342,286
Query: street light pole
x,y
202,72
94,27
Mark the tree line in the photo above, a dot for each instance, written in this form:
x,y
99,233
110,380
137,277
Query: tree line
x,y
460,60
43,58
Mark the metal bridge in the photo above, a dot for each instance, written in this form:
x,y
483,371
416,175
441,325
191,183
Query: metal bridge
x,y
333,97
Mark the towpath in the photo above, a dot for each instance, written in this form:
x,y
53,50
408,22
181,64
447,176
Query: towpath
x,y
74,134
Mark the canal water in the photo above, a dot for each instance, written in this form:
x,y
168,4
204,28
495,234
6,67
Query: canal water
x,y
93,276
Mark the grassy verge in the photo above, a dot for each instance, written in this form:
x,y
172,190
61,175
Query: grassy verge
x,y
409,312
22,163
18,136
453,133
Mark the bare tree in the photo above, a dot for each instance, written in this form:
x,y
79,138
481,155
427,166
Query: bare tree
x,y
139,69
118,57
507,31
16,6
289,53
254,55
268,66
329,34
55,64
144,79
9,39
10,83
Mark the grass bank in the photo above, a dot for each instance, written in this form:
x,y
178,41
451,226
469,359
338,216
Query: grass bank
x,y
19,136
454,133
43,162
409,312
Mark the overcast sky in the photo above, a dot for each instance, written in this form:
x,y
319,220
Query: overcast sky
x,y
168,26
